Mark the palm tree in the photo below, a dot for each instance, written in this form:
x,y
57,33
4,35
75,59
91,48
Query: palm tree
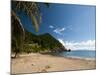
x,y
18,34
32,10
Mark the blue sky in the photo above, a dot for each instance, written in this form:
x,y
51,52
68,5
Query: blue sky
x,y
68,23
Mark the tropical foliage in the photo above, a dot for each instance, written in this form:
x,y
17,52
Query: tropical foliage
x,y
41,43
32,10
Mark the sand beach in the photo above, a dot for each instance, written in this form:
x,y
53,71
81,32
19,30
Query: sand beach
x,y
36,62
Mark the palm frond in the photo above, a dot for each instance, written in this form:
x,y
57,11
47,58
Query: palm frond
x,y
31,9
34,22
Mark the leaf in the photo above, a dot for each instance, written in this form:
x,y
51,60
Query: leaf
x,y
34,22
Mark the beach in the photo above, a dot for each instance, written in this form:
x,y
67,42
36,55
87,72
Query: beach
x,y
36,62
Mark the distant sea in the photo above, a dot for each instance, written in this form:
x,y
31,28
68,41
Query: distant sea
x,y
79,54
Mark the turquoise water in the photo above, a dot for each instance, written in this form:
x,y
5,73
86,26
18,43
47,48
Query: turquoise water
x,y
79,53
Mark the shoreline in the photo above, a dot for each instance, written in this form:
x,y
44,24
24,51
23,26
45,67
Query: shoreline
x,y
70,57
36,62
81,58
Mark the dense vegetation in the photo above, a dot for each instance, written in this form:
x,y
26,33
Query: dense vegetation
x,y
32,10
41,43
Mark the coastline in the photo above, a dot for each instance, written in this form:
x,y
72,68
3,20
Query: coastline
x,y
36,62
81,58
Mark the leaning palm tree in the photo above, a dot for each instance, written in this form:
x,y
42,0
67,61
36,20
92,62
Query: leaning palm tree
x,y
32,10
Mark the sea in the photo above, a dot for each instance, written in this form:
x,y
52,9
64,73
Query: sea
x,y
84,54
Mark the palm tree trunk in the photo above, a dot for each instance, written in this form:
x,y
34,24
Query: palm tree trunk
x,y
18,33
15,55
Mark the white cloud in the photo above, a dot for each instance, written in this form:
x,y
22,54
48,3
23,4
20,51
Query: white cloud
x,y
83,45
61,41
51,26
59,30
62,29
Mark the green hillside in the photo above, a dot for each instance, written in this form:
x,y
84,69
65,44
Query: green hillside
x,y
41,43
